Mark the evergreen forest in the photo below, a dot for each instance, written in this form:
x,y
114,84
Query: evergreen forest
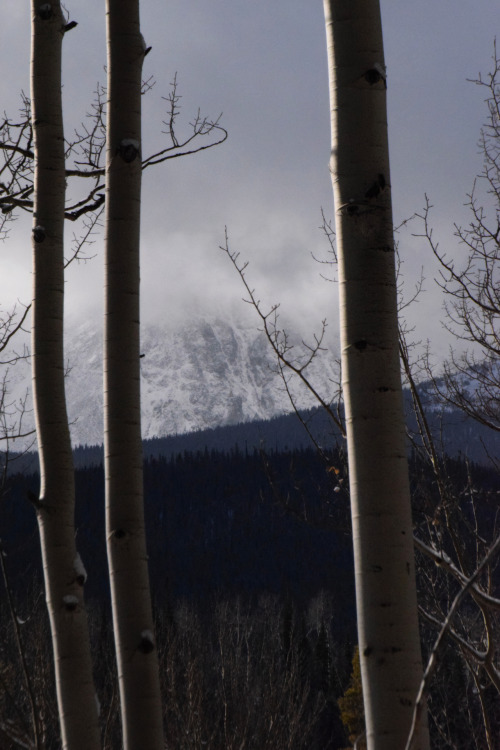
x,y
252,578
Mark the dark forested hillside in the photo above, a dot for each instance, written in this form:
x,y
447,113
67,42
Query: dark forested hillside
x,y
250,554
229,523
250,563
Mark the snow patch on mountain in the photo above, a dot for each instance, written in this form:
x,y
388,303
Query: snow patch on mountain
x,y
202,373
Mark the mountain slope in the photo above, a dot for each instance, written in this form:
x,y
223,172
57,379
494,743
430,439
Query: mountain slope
x,y
203,374
211,373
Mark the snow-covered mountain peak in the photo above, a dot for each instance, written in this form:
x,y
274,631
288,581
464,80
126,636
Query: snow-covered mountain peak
x,y
202,373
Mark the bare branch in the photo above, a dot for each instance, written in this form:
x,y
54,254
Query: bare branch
x,y
432,663
280,343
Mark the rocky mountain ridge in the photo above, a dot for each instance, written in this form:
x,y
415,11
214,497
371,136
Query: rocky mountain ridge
x,y
202,374
211,373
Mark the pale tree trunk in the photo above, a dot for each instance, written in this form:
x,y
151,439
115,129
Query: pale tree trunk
x,y
388,634
63,571
141,707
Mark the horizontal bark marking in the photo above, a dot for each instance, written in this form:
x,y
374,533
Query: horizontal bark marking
x,y
376,188
374,76
146,645
360,345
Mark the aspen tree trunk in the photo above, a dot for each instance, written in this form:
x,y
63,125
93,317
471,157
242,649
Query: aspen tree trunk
x,y
388,634
63,571
141,707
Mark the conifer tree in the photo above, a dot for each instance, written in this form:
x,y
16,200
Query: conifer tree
x,y
351,706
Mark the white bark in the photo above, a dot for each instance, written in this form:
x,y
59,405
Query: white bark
x,y
55,507
378,473
141,707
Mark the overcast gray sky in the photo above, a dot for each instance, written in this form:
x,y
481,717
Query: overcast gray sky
x,y
263,64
